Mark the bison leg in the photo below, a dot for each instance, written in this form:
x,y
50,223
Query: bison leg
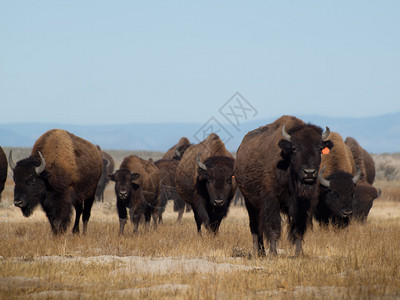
x,y
135,219
180,214
122,223
258,241
78,212
147,219
156,216
86,212
270,222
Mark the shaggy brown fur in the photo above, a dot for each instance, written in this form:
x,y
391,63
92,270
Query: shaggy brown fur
x,y
339,158
73,168
137,187
362,159
177,151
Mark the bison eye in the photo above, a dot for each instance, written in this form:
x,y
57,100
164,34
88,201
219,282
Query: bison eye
x,y
294,149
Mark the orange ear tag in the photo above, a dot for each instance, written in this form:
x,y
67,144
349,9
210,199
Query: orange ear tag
x,y
325,150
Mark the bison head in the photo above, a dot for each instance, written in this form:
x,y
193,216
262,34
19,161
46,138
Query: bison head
x,y
301,151
30,180
364,196
215,176
337,192
124,183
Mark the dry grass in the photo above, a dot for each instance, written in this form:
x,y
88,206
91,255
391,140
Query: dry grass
x,y
362,261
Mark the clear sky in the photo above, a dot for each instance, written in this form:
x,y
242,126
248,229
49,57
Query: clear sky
x,y
107,62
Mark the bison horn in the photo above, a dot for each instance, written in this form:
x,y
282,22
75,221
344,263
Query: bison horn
x,y
285,135
10,161
326,133
200,164
357,177
40,169
379,192
177,152
322,180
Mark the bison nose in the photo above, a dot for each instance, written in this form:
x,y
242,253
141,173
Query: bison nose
x,y
347,212
218,202
19,203
123,195
309,173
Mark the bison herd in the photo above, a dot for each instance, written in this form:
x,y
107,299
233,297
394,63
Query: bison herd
x,y
287,167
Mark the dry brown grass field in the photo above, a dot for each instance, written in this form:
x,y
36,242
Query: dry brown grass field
x,y
173,262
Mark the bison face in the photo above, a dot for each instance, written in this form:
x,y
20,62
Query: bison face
x,y
215,176
124,183
337,192
301,150
30,183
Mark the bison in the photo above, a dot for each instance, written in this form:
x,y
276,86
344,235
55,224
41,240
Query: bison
x,y
177,151
62,171
204,181
108,168
167,169
276,170
337,184
365,193
137,187
3,170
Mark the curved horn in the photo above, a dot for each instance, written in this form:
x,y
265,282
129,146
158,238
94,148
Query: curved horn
x,y
40,169
10,161
200,164
285,135
322,180
177,152
357,177
326,133
379,192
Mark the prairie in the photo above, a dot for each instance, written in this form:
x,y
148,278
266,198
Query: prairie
x,y
173,262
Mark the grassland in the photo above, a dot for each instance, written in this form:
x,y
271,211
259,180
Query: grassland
x,y
360,262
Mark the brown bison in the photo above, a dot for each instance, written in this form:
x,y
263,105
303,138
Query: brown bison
x,y
365,193
3,170
137,187
337,184
62,171
177,151
362,160
276,170
204,180
108,169
167,169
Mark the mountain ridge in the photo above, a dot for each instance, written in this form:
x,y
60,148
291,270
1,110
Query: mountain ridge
x,y
377,134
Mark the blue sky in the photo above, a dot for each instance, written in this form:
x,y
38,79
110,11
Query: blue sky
x,y
108,62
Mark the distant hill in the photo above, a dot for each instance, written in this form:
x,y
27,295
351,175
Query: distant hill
x,y
376,134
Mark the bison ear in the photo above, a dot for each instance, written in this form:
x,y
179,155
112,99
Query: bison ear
x,y
111,177
134,176
327,144
286,147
